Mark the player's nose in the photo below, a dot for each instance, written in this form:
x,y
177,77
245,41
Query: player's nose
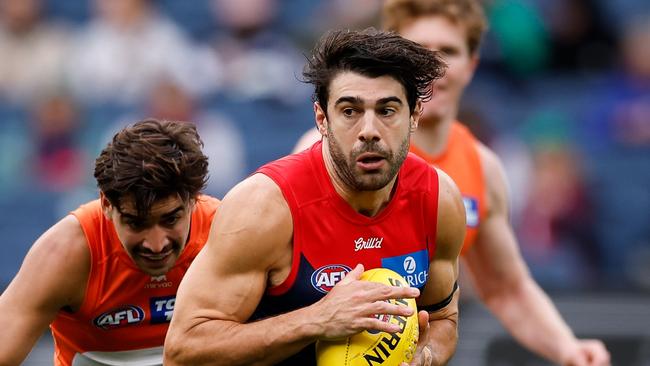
x,y
156,239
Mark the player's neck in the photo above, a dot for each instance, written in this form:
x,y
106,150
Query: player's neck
x,y
431,135
367,203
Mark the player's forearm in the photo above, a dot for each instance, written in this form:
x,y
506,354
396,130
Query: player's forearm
x,y
19,331
531,318
442,340
15,344
442,337
264,342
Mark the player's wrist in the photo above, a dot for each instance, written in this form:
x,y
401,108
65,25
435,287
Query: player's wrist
x,y
567,352
309,324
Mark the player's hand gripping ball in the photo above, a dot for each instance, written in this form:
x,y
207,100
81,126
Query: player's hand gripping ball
x,y
374,347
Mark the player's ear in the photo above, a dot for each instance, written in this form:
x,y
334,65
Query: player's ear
x,y
107,208
192,204
321,119
474,61
415,116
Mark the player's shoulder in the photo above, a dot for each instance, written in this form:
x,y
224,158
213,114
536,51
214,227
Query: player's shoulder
x,y
254,211
493,170
207,203
257,185
60,258
446,183
66,237
257,196
450,198
451,215
489,158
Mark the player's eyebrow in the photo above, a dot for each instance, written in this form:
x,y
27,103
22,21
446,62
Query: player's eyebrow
x,y
358,100
390,99
166,214
173,212
347,99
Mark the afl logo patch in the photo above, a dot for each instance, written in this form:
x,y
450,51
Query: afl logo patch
x,y
324,278
120,317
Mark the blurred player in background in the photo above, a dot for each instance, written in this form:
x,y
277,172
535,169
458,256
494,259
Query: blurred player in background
x,y
105,277
490,250
268,283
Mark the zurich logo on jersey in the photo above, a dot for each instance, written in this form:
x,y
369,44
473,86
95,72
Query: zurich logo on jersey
x,y
120,317
325,277
414,267
471,211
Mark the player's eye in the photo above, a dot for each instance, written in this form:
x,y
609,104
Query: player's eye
x,y
135,225
348,112
171,220
449,51
387,112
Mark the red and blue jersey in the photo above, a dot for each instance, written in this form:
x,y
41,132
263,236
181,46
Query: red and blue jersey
x,y
330,237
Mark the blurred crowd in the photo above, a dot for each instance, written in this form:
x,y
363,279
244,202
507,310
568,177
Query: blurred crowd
x,y
562,95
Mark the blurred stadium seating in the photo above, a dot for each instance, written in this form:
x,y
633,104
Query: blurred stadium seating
x,y
581,94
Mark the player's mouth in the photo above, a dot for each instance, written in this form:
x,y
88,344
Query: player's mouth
x,y
156,259
370,161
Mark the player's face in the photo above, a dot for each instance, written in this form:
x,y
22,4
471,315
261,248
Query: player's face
x,y
439,33
154,242
368,128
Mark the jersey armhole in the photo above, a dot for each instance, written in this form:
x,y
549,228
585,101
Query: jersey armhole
x,y
289,197
432,199
91,289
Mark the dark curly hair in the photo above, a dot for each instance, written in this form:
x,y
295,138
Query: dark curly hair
x,y
152,160
373,53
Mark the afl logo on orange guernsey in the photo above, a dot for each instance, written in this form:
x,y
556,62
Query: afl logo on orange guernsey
x,y
324,278
120,317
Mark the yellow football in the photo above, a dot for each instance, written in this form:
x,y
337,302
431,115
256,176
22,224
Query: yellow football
x,y
374,347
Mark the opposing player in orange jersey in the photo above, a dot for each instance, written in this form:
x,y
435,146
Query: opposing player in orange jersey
x,y
105,277
490,250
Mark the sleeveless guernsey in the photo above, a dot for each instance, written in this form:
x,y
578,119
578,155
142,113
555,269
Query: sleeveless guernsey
x,y
125,313
462,162
330,238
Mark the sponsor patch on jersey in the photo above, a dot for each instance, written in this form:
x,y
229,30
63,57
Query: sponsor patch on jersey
x,y
158,282
325,277
414,267
120,317
471,211
370,243
162,309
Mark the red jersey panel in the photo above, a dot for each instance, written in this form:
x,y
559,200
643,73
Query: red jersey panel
x,y
125,313
462,162
330,238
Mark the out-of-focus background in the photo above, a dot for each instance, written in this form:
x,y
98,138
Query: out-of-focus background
x,y
562,95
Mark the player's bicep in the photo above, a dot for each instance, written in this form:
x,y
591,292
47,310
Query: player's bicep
x,y
495,261
52,276
450,233
229,276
